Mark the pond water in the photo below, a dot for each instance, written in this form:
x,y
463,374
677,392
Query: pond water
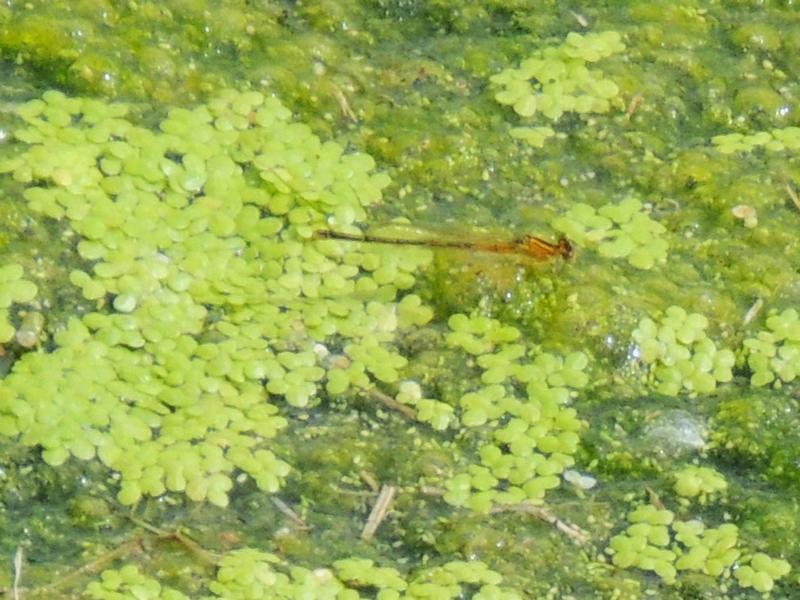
x,y
203,396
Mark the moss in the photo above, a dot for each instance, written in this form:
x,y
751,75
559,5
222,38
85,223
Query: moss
x,y
752,429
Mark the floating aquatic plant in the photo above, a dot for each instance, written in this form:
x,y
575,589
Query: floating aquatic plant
x,y
247,573
557,80
699,482
529,439
130,582
680,354
213,308
773,355
616,230
655,541
14,289
785,138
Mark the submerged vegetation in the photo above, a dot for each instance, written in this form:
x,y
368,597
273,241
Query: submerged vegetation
x,y
201,398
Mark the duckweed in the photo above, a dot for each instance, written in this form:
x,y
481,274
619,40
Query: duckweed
x,y
208,322
699,482
620,230
557,80
785,138
129,582
248,573
680,354
14,289
528,439
762,572
773,355
655,541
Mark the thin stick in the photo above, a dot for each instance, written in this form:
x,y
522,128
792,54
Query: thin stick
x,y
97,564
393,404
17,571
753,311
187,542
582,21
792,194
204,555
287,510
145,525
370,480
652,497
344,105
633,106
574,532
379,511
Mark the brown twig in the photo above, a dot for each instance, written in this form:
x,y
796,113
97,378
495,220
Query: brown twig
x,y
392,404
125,549
290,513
582,21
96,565
792,194
370,480
18,560
379,511
344,105
633,106
753,311
193,547
653,498
574,532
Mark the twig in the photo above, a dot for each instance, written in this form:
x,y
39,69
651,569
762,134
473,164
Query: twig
x,y
393,404
291,514
792,194
370,480
753,311
145,525
17,571
633,106
574,532
124,549
344,105
356,493
582,21
432,490
97,564
379,511
653,498
204,555
188,543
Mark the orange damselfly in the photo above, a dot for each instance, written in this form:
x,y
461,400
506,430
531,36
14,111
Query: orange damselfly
x,y
527,245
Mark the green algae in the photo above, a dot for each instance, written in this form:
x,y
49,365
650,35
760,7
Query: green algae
x,y
464,159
